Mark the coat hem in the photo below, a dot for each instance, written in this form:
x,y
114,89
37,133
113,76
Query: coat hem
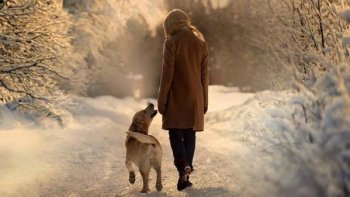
x,y
194,129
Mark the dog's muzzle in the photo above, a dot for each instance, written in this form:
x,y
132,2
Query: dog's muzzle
x,y
154,113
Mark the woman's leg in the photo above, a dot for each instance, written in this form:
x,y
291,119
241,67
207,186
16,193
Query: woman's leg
x,y
178,148
189,137
176,137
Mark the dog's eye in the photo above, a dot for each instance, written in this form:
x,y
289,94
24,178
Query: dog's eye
x,y
144,111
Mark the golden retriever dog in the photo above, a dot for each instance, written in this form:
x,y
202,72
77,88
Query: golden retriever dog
x,y
142,149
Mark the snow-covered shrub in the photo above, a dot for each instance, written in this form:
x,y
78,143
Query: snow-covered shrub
x,y
314,141
34,55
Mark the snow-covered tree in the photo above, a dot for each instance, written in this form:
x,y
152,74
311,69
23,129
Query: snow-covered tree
x,y
116,39
236,35
34,54
309,32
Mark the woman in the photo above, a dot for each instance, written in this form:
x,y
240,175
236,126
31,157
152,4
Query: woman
x,y
183,92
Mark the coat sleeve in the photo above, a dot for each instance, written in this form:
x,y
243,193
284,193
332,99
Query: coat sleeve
x,y
166,74
205,76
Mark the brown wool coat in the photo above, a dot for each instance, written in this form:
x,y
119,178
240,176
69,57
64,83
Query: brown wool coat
x,y
183,92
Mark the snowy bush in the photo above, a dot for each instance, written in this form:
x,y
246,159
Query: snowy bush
x,y
314,139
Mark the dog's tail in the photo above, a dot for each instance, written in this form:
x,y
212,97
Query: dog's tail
x,y
146,139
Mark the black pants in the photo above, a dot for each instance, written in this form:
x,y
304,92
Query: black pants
x,y
183,144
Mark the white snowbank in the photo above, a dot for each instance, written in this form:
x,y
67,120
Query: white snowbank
x,y
221,97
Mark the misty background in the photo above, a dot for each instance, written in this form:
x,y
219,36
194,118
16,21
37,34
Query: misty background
x,y
120,42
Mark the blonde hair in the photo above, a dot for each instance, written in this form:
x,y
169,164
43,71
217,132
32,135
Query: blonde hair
x,y
176,20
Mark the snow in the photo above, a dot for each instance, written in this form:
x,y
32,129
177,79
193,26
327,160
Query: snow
x,y
86,158
225,97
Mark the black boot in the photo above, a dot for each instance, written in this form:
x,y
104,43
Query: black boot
x,y
184,170
182,183
188,182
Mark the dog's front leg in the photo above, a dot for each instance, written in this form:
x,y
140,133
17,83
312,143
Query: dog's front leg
x,y
145,176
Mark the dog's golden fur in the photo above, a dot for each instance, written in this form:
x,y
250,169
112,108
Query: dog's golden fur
x,y
142,149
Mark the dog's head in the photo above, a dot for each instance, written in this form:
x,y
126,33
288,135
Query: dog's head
x,y
142,119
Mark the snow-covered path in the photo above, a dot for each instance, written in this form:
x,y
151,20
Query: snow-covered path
x,y
87,157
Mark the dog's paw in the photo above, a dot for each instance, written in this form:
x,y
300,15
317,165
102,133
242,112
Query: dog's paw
x,y
145,190
132,177
159,186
